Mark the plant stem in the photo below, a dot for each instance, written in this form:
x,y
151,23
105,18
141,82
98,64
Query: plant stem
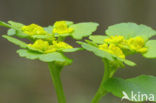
x,y
99,94
55,70
101,91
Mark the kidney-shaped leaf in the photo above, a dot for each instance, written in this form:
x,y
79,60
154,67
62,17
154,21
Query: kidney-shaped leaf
x,y
15,41
83,29
131,30
141,88
151,52
50,57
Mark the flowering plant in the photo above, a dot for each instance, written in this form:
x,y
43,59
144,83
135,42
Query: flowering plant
x,y
120,41
47,44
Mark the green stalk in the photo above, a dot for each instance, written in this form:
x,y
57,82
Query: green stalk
x,y
101,91
55,70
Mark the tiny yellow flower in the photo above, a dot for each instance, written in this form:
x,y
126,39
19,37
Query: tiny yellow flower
x,y
61,27
137,44
33,29
50,49
40,45
45,47
61,45
113,49
114,39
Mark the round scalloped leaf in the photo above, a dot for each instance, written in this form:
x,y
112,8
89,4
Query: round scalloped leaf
x,y
50,57
151,52
83,29
104,54
129,30
99,39
71,49
15,41
139,85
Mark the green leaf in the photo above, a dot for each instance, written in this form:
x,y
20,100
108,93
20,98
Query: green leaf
x,y
128,62
17,26
45,37
62,35
34,49
129,30
4,24
71,50
20,34
11,32
140,85
83,29
15,41
69,23
97,51
55,56
48,29
29,54
50,57
151,52
99,39
104,54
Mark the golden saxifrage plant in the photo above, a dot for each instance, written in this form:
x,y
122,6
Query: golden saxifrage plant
x,y
47,44
121,40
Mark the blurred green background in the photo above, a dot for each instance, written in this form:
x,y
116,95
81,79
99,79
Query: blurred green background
x,y
25,81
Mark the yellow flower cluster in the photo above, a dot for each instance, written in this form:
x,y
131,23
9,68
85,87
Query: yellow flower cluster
x,y
113,49
137,44
116,44
43,46
115,40
61,27
46,47
61,45
33,29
